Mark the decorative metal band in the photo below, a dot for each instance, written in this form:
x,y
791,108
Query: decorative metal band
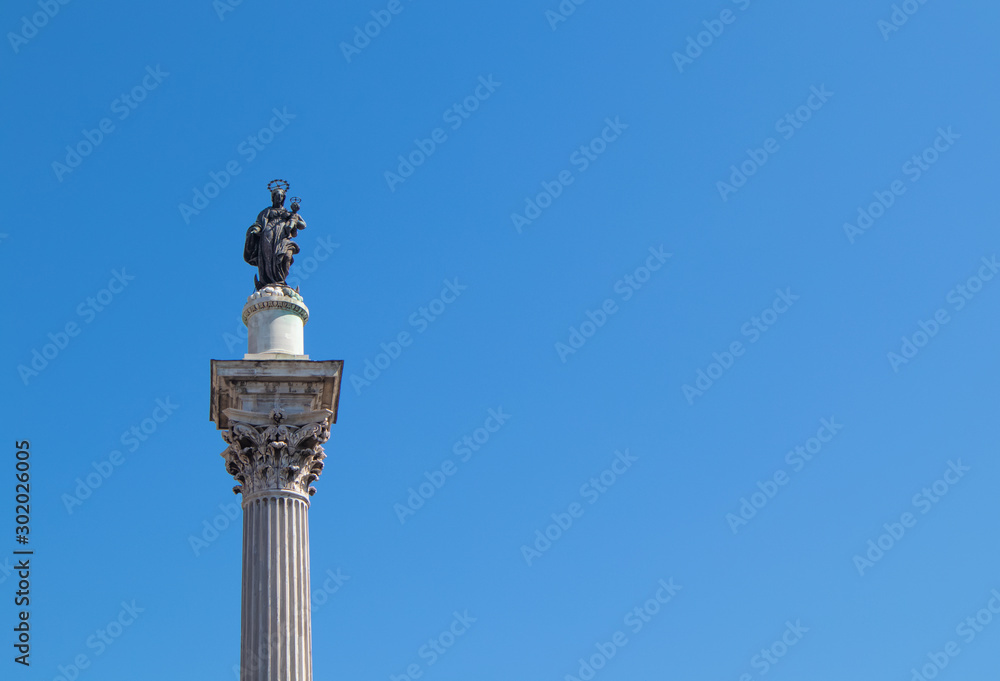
x,y
265,458
276,302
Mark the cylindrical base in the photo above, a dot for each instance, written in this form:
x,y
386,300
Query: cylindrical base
x,y
275,317
276,643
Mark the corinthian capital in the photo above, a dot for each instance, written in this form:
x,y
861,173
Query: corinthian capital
x,y
273,457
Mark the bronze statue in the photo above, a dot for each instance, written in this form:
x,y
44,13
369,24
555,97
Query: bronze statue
x,y
269,244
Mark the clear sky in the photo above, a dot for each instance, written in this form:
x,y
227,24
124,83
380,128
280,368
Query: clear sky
x,y
710,286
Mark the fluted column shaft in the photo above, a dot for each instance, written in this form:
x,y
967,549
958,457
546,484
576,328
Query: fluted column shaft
x,y
276,642
274,460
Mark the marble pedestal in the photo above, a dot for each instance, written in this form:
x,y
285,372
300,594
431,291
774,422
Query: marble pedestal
x,y
275,317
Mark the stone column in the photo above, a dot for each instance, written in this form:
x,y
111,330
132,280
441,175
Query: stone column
x,y
275,409
275,464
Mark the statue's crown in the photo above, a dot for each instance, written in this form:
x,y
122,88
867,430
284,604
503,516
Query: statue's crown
x,y
278,184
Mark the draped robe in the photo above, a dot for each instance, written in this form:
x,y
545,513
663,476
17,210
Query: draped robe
x,y
269,244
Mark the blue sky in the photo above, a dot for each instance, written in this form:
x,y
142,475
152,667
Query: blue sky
x,y
738,258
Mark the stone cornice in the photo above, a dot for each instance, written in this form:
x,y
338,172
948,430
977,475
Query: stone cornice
x,y
296,387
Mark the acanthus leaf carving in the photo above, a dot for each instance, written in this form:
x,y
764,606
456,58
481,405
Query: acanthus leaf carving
x,y
275,457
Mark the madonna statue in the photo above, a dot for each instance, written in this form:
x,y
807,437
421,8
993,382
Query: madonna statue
x,y
269,244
